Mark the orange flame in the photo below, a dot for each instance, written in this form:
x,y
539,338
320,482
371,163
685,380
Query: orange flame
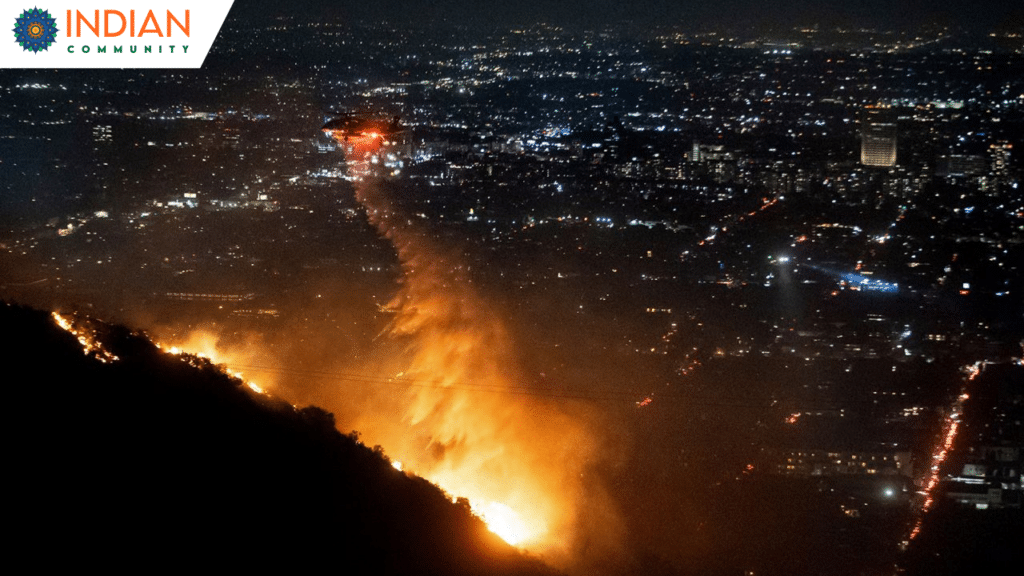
x,y
86,337
205,344
518,460
522,462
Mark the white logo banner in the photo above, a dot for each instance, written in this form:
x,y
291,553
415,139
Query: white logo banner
x,y
109,33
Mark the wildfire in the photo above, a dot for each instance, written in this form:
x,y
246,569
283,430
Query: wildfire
x,y
504,522
87,338
518,460
204,345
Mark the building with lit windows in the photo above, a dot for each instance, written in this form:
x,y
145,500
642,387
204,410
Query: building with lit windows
x,y
878,137
817,462
1000,168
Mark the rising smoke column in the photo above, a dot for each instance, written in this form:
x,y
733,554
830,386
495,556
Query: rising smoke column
x,y
467,425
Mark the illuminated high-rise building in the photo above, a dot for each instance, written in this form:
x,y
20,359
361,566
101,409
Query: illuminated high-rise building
x,y
1000,156
878,137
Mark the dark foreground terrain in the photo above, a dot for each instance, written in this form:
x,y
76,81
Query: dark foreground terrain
x,y
154,461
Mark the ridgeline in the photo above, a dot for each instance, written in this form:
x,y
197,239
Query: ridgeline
x,y
150,462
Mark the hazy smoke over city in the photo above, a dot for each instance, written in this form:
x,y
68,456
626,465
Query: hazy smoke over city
x,y
649,299
467,423
443,395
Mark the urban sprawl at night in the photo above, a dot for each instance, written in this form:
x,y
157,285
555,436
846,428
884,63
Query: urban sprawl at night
x,y
752,301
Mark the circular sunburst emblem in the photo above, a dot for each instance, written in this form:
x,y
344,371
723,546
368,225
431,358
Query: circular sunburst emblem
x,y
35,30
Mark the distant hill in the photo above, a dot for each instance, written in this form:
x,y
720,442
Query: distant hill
x,y
150,462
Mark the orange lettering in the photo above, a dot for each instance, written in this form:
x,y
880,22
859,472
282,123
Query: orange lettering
x,y
154,30
185,28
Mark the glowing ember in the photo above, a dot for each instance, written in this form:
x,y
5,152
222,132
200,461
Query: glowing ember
x,y
203,346
87,338
397,465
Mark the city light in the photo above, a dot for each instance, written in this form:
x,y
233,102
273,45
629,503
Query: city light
x,y
641,297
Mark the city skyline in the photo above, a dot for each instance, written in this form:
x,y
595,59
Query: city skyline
x,y
646,300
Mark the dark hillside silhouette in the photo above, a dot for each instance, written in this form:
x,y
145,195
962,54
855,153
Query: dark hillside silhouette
x,y
149,462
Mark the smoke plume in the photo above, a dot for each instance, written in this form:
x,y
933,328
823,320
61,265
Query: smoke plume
x,y
443,394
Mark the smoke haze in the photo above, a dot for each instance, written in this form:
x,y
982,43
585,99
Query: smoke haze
x,y
442,392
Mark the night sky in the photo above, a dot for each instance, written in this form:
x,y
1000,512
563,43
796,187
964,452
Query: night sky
x,y
980,14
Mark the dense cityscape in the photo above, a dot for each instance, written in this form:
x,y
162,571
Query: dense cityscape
x,y
775,279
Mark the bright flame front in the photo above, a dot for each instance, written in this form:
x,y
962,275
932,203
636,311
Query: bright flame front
x,y
504,522
443,394
519,460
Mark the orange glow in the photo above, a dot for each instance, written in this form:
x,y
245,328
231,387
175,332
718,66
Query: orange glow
x,y
443,395
504,522
204,344
518,459
86,337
